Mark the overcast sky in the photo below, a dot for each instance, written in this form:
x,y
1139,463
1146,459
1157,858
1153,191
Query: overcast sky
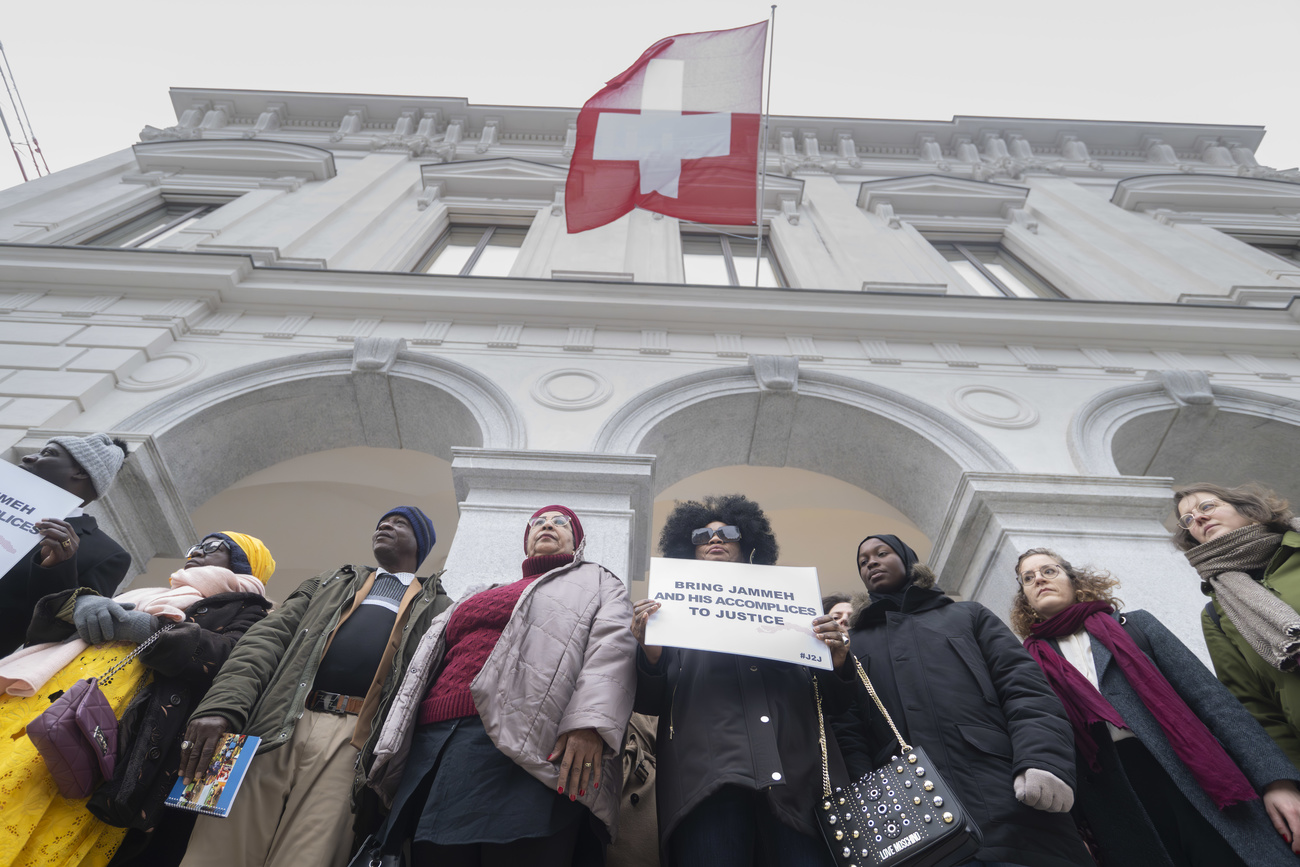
x,y
93,73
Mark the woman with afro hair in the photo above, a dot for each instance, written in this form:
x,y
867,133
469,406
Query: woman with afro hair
x,y
739,764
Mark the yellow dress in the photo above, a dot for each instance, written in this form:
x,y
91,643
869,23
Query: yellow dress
x,y
38,826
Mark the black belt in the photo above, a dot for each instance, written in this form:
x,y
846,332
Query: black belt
x,y
332,702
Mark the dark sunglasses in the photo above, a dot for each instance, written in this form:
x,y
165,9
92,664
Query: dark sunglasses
x,y
703,535
208,546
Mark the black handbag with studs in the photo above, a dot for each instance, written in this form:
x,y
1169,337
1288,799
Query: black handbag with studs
x,y
900,815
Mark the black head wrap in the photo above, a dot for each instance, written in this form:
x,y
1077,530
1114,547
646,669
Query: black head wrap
x,y
905,553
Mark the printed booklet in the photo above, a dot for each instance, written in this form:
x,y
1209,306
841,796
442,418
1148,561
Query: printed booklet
x,y
213,793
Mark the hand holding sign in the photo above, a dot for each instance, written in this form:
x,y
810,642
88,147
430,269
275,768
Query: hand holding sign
x,y
641,612
772,612
59,541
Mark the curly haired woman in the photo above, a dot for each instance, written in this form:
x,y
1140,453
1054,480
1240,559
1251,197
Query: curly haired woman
x,y
738,764
1170,765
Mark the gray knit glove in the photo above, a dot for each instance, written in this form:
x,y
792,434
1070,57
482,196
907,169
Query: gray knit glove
x,y
1043,790
99,619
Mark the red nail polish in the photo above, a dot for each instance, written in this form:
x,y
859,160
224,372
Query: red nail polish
x,y
551,757
560,789
598,785
581,792
571,798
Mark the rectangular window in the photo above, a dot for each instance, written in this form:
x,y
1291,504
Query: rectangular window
x,y
991,270
726,260
151,227
480,251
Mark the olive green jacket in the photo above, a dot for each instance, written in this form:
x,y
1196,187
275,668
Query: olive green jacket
x,y
262,689
1271,696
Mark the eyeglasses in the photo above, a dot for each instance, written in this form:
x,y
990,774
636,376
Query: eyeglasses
x,y
553,520
1204,507
1048,572
208,546
704,535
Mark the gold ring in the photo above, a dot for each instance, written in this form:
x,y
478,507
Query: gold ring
x,y
66,544
586,764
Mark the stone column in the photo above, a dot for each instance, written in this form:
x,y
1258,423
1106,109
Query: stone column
x,y
499,488
1110,523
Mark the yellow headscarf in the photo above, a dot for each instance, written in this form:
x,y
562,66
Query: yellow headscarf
x,y
260,562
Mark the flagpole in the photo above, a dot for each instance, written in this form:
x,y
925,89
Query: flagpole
x,y
762,160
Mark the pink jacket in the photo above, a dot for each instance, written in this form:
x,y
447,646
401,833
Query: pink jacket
x,y
565,661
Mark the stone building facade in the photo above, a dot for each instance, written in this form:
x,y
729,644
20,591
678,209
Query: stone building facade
x,y
983,334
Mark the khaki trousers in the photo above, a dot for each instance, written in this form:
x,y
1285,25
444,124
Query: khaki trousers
x,y
294,807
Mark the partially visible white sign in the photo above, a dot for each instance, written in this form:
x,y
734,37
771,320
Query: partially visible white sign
x,y
24,500
764,611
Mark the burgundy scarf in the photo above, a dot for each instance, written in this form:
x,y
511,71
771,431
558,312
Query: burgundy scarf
x,y
1213,769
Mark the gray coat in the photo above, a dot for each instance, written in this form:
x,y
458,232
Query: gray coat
x,y
1109,804
565,661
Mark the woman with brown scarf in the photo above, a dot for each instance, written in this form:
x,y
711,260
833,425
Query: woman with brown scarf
x,y
1171,768
1245,543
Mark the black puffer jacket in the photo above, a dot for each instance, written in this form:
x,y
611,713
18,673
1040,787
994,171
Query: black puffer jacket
x,y
184,661
737,720
959,685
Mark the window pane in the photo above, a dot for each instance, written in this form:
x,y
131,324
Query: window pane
x,y
1011,280
977,281
161,236
139,232
703,262
499,256
742,253
453,250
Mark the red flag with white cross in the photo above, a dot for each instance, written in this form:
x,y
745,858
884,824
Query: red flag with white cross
x,y
677,133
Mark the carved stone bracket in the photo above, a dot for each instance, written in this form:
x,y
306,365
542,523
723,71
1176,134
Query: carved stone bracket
x,y
775,372
376,354
1186,387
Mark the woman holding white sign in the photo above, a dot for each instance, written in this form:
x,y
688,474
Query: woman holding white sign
x,y
739,764
958,684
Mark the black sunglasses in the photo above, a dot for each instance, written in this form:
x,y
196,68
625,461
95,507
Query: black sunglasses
x,y
703,535
207,546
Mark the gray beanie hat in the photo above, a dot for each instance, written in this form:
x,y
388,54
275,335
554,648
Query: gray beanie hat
x,y
98,455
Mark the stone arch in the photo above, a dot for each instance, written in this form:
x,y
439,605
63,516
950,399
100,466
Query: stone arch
x,y
772,414
1177,424
215,432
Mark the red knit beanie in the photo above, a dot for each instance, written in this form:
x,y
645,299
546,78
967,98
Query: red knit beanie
x,y
574,524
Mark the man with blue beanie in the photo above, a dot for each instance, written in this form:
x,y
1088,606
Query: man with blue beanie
x,y
310,680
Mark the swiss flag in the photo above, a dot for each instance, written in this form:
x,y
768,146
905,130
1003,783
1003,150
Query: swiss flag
x,y
677,133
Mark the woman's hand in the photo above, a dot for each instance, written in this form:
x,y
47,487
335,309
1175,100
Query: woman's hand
x,y
1282,800
579,753
641,612
201,738
835,636
59,541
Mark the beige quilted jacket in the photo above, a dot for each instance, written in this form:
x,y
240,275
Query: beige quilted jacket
x,y
565,661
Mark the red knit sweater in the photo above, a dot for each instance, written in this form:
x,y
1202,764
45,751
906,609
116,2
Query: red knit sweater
x,y
474,629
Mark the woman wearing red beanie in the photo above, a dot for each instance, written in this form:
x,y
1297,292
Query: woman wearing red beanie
x,y
503,742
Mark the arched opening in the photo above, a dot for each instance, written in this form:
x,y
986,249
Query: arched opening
x,y
1193,433
316,512
303,450
827,451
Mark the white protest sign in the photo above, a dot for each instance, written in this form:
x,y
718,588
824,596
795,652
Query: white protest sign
x,y
24,500
764,611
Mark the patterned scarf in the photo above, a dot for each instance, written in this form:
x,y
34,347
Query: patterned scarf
x,y
1193,743
1268,624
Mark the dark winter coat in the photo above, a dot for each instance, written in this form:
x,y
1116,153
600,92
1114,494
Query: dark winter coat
x,y
741,721
1108,803
100,564
965,691
184,660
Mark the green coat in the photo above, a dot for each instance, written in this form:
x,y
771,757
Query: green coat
x,y
262,689
1271,696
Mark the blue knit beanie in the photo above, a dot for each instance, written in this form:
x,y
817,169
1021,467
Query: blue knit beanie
x,y
424,535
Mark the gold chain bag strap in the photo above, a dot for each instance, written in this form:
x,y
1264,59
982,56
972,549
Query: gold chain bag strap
x,y
900,815
77,734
